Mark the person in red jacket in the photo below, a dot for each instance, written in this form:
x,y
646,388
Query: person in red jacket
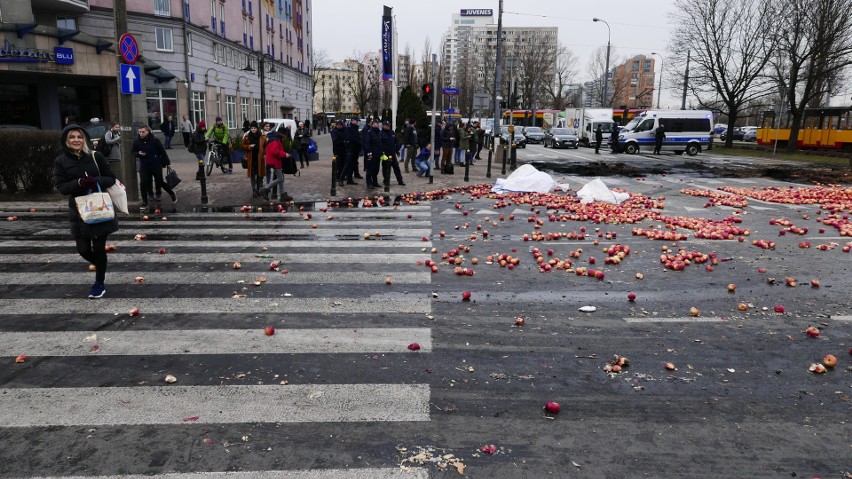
x,y
275,155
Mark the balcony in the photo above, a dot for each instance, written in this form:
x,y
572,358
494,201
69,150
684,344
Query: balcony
x,y
62,6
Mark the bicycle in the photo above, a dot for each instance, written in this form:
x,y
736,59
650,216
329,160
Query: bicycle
x,y
215,157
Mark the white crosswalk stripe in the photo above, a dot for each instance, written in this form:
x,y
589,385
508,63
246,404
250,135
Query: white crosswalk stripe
x,y
205,333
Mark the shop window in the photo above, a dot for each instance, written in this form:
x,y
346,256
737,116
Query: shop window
x,y
257,114
161,103
164,39
231,111
19,105
244,107
199,107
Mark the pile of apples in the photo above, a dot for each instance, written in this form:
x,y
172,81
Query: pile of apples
x,y
716,198
683,258
616,365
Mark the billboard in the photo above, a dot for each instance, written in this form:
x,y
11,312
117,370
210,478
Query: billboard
x,y
387,47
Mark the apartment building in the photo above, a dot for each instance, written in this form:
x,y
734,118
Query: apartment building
x,y
59,60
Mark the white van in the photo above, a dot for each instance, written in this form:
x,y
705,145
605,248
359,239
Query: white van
x,y
686,130
285,122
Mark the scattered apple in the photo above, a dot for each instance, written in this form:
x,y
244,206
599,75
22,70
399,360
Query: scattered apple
x,y
139,279
237,265
134,312
466,296
671,367
162,250
732,287
694,311
817,368
815,283
779,309
414,347
21,359
269,331
552,407
829,360
812,332
388,280
631,297
92,267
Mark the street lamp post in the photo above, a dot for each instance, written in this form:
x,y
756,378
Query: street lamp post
x,y
261,65
606,73
659,88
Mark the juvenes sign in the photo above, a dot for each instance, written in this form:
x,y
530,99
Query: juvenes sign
x,y
477,12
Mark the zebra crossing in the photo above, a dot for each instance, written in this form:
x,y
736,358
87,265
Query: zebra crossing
x,y
179,343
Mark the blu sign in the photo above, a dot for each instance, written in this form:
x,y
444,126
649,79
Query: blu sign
x,y
64,56
477,12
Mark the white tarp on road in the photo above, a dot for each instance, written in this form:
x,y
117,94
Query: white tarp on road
x,y
527,179
596,190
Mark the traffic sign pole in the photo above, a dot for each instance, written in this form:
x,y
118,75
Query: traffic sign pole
x,y
127,166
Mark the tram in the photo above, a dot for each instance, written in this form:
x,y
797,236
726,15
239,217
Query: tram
x,y
822,128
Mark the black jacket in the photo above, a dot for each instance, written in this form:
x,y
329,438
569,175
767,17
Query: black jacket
x,y
338,142
598,135
390,144
438,139
446,134
373,145
168,128
199,141
155,154
352,137
67,169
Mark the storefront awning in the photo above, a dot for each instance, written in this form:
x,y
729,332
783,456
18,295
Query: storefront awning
x,y
155,70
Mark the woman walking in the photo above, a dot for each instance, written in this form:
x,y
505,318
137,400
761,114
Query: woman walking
x,y
275,155
185,130
198,141
152,157
77,172
302,140
168,128
254,144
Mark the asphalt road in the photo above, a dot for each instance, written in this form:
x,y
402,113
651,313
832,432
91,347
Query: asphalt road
x,y
337,393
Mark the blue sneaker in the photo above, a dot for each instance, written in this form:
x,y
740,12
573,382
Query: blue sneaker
x,y
97,291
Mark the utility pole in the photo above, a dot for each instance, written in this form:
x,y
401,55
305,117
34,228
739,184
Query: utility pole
x,y
127,166
495,128
434,105
685,82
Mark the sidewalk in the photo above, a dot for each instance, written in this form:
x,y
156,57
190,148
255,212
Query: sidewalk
x,y
314,184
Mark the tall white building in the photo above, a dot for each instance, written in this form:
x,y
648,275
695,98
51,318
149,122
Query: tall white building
x,y
457,44
469,50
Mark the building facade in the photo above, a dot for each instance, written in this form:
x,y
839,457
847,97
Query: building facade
x,y
633,83
58,60
457,46
335,93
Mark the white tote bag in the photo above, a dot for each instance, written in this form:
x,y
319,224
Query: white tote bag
x,y
119,196
95,207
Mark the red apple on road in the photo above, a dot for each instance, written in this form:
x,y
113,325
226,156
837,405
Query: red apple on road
x,y
829,360
552,407
269,330
134,312
631,297
812,332
21,359
466,296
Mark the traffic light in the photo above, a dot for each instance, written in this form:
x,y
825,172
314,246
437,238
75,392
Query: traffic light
x,y
513,101
426,94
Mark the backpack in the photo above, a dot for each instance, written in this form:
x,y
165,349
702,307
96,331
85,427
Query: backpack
x,y
103,147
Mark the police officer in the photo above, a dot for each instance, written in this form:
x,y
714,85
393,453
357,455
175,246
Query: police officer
x,y
390,147
338,148
659,136
352,140
372,145
614,139
598,138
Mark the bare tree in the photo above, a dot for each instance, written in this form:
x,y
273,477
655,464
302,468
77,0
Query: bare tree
x,y
730,44
319,64
597,70
814,41
365,86
535,60
563,75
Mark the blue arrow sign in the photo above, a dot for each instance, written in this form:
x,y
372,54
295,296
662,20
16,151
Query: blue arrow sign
x,y
131,79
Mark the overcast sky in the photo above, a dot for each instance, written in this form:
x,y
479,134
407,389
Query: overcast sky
x,y
342,27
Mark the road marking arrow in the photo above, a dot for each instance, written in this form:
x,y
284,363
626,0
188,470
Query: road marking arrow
x,y
130,78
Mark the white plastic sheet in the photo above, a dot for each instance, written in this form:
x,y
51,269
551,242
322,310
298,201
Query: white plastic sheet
x,y
526,179
596,190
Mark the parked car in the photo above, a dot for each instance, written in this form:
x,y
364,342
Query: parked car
x,y
534,134
737,134
561,138
750,135
519,140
